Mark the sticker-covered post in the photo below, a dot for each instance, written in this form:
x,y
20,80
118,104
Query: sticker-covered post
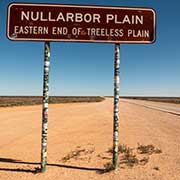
x,y
116,106
45,106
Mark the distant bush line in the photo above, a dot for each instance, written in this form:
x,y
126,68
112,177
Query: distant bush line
x,y
8,101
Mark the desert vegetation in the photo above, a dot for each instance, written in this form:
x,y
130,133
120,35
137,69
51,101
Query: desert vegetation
x,y
6,101
130,157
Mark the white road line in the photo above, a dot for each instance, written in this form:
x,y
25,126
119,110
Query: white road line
x,y
159,107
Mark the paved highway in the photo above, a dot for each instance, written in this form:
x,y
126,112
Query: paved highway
x,y
165,107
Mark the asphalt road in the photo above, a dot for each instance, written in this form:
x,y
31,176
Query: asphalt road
x,y
165,107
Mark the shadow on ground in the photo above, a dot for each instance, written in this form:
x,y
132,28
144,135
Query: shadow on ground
x,y
38,170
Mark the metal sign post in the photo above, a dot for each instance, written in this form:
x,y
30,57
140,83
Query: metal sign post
x,y
116,106
45,106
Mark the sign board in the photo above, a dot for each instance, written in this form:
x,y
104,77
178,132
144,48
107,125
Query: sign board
x,y
75,23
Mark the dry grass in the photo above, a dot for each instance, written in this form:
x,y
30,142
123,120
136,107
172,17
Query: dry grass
x,y
79,153
132,156
148,149
73,155
108,167
128,157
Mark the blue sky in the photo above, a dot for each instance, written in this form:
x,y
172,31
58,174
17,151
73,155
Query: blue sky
x,y
87,69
